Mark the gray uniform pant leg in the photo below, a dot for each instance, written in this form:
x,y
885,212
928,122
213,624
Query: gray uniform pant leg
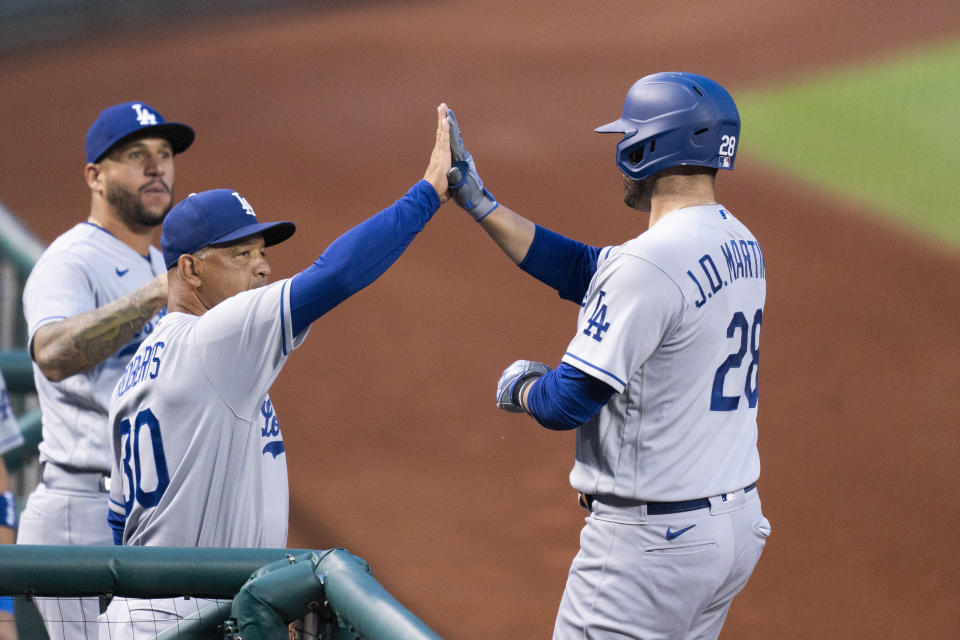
x,y
60,517
630,581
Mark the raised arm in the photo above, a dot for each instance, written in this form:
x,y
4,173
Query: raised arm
x,y
559,262
81,342
509,230
365,252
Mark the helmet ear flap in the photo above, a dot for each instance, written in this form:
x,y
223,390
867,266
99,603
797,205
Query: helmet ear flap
x,y
636,155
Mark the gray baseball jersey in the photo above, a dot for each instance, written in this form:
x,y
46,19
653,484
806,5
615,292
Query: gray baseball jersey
x,y
198,455
10,436
671,320
83,269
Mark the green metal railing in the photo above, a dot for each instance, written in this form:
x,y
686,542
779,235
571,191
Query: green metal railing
x,y
17,370
269,587
18,374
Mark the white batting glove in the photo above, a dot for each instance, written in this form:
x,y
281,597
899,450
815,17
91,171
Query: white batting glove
x,y
512,381
466,187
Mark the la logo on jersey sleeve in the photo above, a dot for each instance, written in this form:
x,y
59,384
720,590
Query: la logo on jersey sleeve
x,y
597,325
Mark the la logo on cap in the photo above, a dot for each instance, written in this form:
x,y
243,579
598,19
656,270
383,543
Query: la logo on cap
x,y
246,205
144,116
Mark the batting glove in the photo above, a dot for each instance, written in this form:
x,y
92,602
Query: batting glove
x,y
512,381
466,187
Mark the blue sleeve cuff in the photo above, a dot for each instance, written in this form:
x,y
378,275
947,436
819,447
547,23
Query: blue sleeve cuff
x,y
8,510
116,522
561,263
430,194
566,397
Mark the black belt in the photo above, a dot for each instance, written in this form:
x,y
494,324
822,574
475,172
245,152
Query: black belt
x,y
66,477
661,508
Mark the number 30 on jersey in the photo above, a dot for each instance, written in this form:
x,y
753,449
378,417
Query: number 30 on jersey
x,y
141,443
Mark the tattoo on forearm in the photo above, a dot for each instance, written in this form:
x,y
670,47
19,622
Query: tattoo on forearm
x,y
88,339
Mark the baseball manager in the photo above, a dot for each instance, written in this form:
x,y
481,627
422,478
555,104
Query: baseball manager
x,y
198,454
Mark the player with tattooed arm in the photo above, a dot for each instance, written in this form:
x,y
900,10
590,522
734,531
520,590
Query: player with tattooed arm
x,y
91,299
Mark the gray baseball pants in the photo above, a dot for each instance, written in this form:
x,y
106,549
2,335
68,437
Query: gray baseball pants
x,y
665,576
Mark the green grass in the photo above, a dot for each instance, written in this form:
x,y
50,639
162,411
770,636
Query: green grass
x,y
885,134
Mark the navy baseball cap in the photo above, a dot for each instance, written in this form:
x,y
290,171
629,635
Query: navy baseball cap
x,y
128,120
213,217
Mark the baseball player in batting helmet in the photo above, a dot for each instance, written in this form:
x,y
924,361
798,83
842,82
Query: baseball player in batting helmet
x,y
91,299
197,390
660,377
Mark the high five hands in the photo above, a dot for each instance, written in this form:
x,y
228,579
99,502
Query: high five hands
x,y
466,187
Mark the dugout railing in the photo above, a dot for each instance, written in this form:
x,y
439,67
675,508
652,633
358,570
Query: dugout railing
x,y
332,593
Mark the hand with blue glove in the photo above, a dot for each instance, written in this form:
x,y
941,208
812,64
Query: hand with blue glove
x,y
514,379
465,183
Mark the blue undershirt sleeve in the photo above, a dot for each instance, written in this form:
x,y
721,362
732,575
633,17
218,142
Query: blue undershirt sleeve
x,y
116,522
566,397
360,256
561,263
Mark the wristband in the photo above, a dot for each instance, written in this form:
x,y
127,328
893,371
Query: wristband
x,y
6,604
521,387
8,510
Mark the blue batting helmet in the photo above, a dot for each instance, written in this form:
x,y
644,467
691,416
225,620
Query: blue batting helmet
x,y
674,118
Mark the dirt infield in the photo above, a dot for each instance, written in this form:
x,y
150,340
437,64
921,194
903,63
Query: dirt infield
x,y
394,446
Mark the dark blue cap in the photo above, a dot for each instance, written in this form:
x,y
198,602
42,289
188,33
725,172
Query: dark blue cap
x,y
123,122
213,217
